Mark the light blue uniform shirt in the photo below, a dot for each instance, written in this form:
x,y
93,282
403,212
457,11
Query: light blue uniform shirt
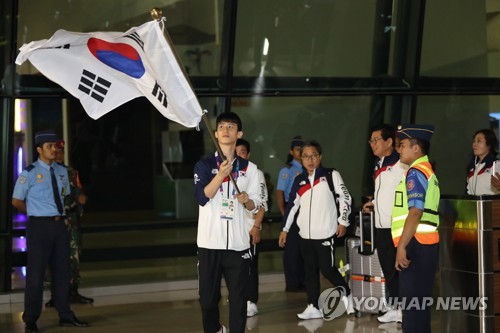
x,y
416,188
286,177
35,186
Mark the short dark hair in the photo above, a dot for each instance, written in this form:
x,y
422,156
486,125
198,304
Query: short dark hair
x,y
424,145
491,139
311,143
386,131
229,117
243,142
297,141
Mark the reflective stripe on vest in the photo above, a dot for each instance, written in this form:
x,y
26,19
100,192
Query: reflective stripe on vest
x,y
427,228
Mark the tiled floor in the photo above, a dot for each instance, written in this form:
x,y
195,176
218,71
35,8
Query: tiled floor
x,y
130,311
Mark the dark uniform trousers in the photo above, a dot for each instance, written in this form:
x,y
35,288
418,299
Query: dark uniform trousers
x,y
417,281
387,257
235,266
253,287
319,255
292,259
47,243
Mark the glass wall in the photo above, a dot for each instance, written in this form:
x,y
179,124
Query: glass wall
x,y
451,48
194,26
290,38
300,46
456,118
120,157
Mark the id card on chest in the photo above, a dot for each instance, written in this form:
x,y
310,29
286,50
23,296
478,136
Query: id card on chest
x,y
229,202
227,208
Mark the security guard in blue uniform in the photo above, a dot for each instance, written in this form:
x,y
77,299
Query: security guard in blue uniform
x,y
414,228
293,263
39,192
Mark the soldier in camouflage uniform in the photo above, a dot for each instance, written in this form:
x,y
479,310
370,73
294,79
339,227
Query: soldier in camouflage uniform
x,y
73,205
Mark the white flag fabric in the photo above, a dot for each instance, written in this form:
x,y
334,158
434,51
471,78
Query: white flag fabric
x,y
107,69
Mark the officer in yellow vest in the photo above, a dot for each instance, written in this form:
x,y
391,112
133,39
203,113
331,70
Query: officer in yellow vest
x,y
415,220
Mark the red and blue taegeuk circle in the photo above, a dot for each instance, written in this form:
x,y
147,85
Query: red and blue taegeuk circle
x,y
120,56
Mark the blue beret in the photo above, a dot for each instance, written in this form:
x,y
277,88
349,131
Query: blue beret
x,y
45,136
414,131
297,141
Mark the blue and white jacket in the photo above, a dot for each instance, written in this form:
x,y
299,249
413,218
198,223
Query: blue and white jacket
x,y
313,203
479,176
213,231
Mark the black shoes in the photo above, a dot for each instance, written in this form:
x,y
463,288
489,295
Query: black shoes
x,y
73,322
30,328
76,298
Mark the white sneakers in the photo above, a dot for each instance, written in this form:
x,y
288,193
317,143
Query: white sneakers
x,y
222,329
348,303
391,316
311,312
251,309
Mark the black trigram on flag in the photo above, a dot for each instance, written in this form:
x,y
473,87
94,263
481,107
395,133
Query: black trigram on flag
x,y
135,36
94,86
160,94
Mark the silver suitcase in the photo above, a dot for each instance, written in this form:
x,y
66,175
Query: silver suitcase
x,y
366,279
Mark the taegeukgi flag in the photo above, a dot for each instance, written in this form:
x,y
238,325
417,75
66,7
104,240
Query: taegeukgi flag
x,y
107,69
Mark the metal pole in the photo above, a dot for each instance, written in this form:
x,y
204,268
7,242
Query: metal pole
x,y
157,14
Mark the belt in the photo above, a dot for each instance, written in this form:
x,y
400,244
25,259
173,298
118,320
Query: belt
x,y
45,218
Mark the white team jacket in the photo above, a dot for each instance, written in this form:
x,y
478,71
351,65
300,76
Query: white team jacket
x,y
387,179
217,233
479,179
317,212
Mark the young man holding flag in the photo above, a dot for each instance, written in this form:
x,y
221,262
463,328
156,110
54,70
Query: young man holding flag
x,y
223,239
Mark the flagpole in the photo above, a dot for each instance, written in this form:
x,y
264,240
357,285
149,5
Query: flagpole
x,y
157,14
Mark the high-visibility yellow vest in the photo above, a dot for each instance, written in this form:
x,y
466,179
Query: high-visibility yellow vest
x,y
427,228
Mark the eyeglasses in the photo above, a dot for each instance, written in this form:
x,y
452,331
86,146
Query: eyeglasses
x,y
374,140
313,157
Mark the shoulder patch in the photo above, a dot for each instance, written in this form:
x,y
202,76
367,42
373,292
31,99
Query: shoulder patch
x,y
410,185
284,176
22,179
